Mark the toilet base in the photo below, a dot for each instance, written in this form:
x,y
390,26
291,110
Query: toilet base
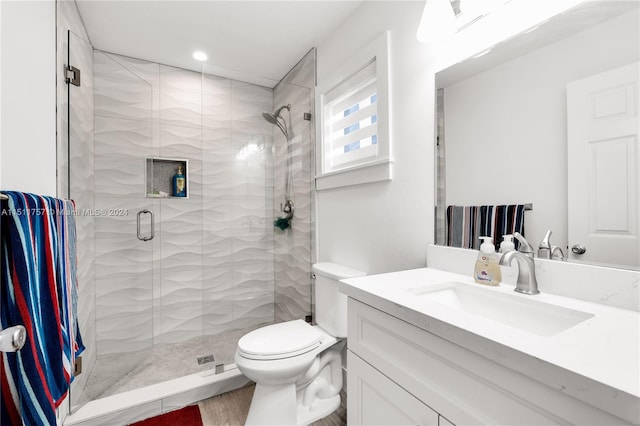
x,y
297,390
288,412
273,405
323,407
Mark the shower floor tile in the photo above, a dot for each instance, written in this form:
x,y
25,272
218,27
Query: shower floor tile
x,y
120,373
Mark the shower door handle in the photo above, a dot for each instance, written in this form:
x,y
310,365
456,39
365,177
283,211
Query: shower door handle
x,y
140,236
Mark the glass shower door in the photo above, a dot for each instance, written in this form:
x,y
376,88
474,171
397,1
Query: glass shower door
x,y
110,134
293,166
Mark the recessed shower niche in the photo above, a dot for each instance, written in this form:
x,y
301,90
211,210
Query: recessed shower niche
x,y
167,178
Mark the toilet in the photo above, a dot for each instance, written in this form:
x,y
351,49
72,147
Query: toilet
x,y
297,366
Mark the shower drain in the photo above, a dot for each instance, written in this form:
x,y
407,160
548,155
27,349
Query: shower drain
x,y
205,359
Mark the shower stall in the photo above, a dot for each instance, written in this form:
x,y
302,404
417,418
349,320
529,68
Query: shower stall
x,y
168,284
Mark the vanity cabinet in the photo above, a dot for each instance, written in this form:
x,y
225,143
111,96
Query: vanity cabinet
x,y
374,399
399,373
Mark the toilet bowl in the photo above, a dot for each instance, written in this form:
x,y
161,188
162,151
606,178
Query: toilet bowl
x,y
297,366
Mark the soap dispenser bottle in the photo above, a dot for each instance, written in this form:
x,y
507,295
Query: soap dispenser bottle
x,y
507,244
487,270
179,183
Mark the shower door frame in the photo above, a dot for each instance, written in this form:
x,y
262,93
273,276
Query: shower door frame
x,y
80,174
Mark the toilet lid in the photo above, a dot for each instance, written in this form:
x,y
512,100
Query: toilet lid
x,y
280,340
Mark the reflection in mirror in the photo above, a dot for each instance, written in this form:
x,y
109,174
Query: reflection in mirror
x,y
550,117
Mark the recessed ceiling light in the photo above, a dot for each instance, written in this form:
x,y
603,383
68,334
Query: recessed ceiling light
x,y
200,56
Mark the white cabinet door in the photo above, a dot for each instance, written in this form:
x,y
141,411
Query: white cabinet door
x,y
374,399
603,165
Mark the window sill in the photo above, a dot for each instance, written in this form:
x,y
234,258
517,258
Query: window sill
x,y
378,171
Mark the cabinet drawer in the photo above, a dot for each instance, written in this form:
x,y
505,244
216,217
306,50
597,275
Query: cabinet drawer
x,y
374,399
466,388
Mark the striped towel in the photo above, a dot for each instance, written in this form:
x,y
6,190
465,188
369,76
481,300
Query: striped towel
x,y
466,224
39,291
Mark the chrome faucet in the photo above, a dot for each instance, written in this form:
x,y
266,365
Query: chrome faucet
x,y
524,246
544,248
527,282
554,253
547,251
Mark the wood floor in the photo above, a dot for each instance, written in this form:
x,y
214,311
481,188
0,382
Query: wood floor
x,y
231,408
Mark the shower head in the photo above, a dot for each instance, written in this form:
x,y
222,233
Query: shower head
x,y
270,117
274,118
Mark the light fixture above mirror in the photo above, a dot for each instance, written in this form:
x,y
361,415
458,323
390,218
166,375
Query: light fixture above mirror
x,y
442,18
437,22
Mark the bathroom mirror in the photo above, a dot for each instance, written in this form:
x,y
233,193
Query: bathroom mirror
x,y
506,122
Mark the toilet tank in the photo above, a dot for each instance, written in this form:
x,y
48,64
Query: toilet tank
x,y
331,305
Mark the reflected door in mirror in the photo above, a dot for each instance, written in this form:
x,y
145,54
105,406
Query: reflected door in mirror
x,y
603,167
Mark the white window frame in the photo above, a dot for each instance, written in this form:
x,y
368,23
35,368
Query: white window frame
x,y
376,170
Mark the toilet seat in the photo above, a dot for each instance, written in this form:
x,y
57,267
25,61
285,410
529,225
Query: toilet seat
x,y
278,341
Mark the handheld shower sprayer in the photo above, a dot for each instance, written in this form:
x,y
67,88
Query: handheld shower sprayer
x,y
278,120
275,117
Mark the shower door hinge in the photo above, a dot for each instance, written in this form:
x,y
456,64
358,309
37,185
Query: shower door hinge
x,y
72,75
77,367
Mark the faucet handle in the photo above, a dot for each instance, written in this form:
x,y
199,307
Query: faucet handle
x,y
524,247
544,248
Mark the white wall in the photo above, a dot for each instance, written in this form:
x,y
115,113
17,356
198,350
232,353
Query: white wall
x,y
28,103
506,128
385,226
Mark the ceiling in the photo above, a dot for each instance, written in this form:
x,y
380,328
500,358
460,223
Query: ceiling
x,y
570,22
255,41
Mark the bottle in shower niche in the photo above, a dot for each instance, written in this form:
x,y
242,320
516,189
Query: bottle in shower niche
x,y
179,184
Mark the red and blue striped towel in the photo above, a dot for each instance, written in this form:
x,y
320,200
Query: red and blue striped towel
x,y
466,224
39,291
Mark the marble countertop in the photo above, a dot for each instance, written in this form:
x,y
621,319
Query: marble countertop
x,y
596,361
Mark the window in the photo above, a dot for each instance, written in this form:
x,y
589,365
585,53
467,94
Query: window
x,y
350,122
353,128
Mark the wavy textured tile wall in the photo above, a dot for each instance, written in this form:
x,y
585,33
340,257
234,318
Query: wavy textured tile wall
x,y
210,267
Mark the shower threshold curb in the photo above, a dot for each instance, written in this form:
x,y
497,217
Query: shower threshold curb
x,y
139,404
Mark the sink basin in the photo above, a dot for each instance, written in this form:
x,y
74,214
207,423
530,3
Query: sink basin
x,y
529,315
